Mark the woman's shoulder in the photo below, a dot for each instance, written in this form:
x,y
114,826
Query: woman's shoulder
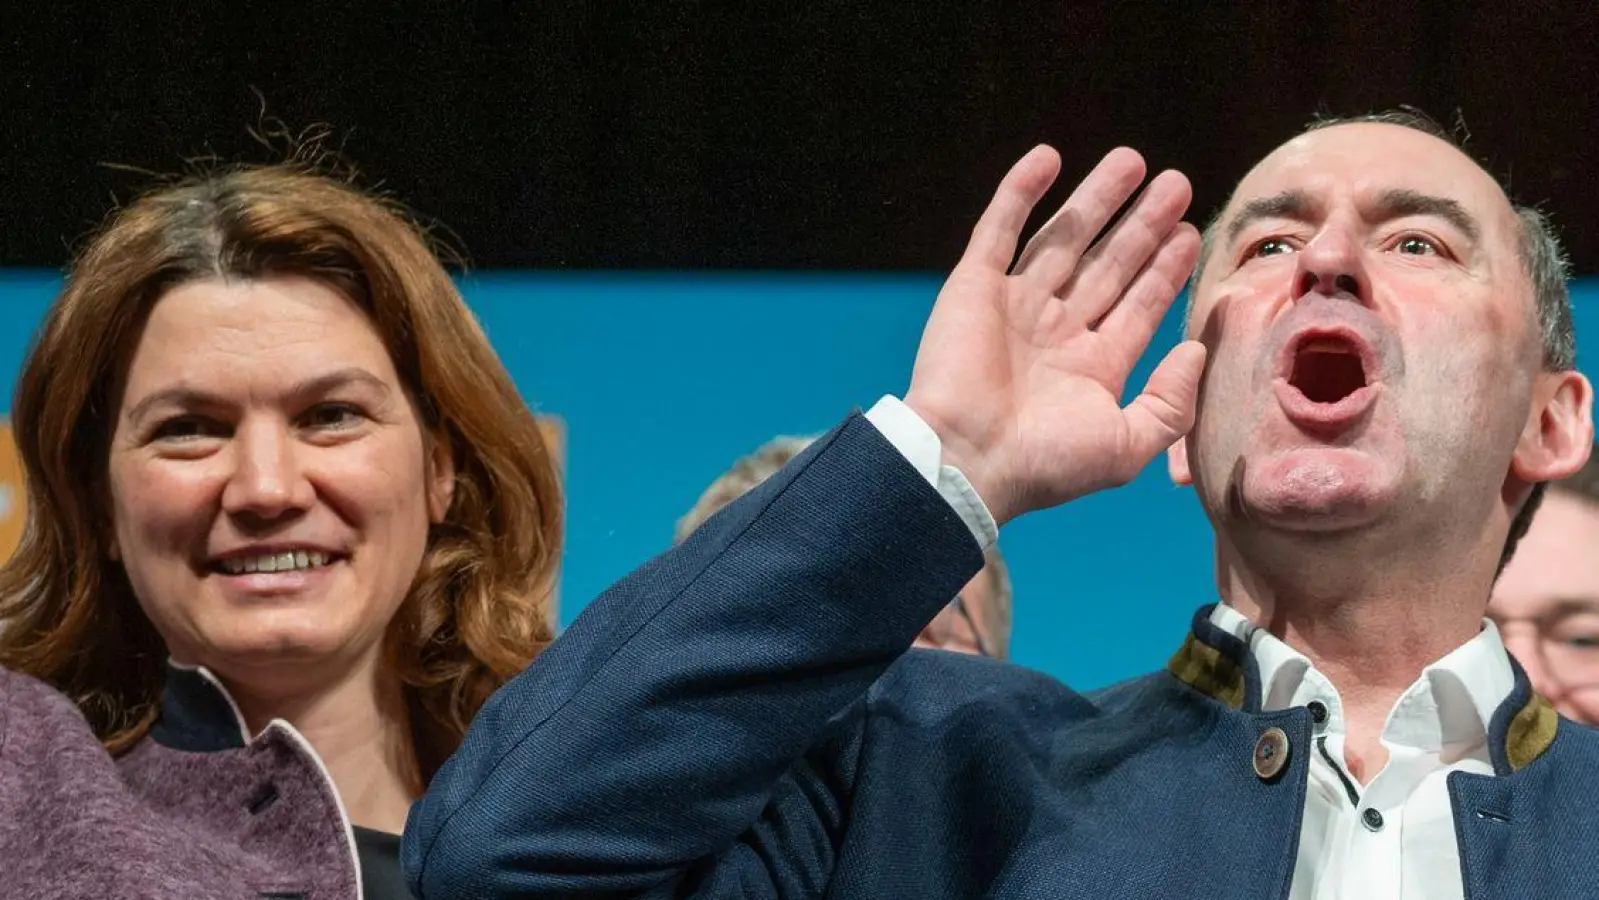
x,y
70,824
46,745
32,712
48,753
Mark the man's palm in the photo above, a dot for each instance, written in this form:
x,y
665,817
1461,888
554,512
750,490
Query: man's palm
x,y
1021,372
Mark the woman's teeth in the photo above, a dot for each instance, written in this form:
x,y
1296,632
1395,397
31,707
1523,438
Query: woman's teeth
x,y
273,562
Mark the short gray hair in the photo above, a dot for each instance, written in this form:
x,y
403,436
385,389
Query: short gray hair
x,y
735,482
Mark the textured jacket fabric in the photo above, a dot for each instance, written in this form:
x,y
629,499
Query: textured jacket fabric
x,y
740,718
192,811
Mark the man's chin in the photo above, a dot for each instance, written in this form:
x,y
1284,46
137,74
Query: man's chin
x,y
1317,489
1316,516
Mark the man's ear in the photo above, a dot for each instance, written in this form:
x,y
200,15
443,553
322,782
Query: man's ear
x,y
1177,463
1558,436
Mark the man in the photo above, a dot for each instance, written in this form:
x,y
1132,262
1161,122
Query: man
x,y
1384,354
977,621
1546,602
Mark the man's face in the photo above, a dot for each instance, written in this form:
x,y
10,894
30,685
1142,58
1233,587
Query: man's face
x,y
965,625
1371,335
1547,604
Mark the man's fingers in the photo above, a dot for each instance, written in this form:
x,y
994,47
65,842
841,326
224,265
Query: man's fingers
x,y
994,239
1165,410
1133,320
1052,255
1106,270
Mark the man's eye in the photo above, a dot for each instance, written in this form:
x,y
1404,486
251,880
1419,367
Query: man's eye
x,y
1417,246
1272,247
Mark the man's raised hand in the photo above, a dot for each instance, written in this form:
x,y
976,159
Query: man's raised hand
x,y
1020,370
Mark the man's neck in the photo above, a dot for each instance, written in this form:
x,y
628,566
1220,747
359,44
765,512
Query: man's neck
x,y
357,722
1369,630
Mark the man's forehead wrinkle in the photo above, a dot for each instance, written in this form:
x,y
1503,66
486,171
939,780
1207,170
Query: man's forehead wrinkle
x,y
1397,198
1439,152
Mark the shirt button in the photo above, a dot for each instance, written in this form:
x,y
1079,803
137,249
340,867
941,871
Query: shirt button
x,y
1318,712
1271,753
1372,819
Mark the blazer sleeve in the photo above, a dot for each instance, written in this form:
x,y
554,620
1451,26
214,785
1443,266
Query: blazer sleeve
x,y
693,733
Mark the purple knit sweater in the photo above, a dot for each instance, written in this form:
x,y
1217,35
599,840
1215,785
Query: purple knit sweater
x,y
193,811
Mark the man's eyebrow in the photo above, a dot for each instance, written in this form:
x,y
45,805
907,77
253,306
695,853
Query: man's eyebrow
x,y
1404,202
1287,205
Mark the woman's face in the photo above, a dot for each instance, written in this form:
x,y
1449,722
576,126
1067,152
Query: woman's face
x,y
271,484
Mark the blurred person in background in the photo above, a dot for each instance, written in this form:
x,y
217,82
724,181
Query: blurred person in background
x,y
1546,602
978,621
289,525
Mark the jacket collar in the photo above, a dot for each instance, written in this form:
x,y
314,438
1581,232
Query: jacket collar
x,y
1219,665
197,714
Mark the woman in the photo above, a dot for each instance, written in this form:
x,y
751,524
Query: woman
x,y
290,524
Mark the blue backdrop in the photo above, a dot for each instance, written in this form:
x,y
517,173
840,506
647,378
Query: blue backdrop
x,y
664,379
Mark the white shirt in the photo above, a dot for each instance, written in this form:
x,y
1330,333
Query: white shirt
x,y
1390,839
1439,725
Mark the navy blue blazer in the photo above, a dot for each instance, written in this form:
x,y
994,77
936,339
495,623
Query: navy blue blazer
x,y
740,718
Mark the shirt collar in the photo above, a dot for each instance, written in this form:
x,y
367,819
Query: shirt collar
x,y
1451,706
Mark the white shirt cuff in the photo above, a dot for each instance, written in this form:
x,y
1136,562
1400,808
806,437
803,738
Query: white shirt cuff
x,y
919,444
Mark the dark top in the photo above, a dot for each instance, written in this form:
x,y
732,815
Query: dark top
x,y
381,877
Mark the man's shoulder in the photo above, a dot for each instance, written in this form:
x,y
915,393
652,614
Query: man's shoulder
x,y
934,686
1577,741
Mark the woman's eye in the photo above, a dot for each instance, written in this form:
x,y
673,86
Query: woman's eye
x,y
183,428
332,415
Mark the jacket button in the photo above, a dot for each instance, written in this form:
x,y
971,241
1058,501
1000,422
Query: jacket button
x,y
1271,753
263,798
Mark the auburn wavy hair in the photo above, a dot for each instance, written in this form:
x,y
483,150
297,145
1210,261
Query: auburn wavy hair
x,y
478,610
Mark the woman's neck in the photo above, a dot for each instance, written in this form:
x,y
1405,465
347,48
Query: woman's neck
x,y
359,725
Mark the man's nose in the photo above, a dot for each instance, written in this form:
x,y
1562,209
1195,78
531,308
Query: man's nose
x,y
1333,264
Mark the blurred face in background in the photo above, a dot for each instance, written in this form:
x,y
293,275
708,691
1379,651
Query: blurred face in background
x,y
965,625
1546,604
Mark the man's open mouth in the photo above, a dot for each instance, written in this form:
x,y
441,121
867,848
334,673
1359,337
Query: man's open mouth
x,y
1326,368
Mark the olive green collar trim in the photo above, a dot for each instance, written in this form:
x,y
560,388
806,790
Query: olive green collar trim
x,y
1529,732
1218,665
1209,671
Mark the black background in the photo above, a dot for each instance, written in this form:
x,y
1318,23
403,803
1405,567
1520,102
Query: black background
x,y
816,135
